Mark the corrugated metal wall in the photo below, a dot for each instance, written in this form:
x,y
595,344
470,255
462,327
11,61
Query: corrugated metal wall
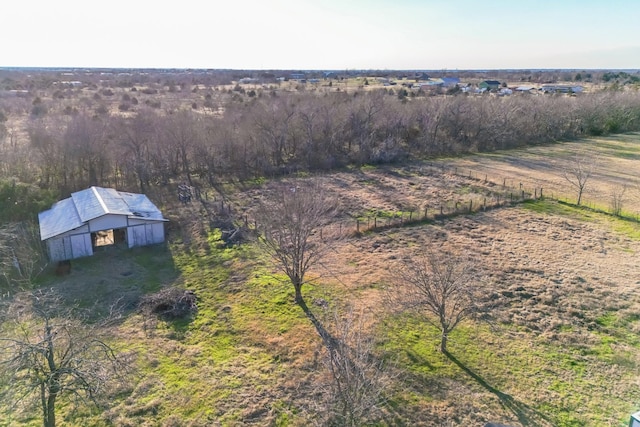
x,y
69,247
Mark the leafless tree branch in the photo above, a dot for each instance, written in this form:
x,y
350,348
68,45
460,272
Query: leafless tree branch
x,y
290,223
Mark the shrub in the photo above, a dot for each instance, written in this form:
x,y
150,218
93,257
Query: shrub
x,y
38,110
102,109
22,201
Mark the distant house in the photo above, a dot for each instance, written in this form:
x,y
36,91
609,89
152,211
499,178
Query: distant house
x,y
98,216
450,81
489,85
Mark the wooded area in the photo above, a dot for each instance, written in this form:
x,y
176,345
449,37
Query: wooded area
x,y
133,136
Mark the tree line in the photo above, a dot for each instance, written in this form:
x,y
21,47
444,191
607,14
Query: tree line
x,y
291,132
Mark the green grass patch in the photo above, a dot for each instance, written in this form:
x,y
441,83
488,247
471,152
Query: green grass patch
x,y
382,215
556,381
629,228
368,168
552,207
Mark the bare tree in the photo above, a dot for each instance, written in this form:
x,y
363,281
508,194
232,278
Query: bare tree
x,y
357,377
290,222
50,352
440,287
181,130
617,198
22,256
136,136
578,172
87,151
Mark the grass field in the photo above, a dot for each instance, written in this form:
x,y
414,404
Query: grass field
x,y
561,347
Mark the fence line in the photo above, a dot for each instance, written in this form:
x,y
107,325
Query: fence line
x,y
500,192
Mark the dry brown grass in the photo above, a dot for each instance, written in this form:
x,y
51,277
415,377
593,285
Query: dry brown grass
x,y
560,280
614,158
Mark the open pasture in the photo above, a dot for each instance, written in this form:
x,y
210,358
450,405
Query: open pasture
x,y
561,346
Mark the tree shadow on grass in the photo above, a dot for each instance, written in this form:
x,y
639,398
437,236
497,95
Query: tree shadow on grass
x,y
527,416
328,340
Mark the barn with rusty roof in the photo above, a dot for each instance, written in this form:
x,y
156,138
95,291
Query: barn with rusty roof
x,y
96,217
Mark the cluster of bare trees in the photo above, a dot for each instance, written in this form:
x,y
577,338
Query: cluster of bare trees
x,y
274,135
439,287
49,353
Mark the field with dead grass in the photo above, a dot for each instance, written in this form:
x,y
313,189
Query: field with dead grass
x,y
561,346
613,159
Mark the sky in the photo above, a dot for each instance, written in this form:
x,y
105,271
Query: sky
x,y
322,34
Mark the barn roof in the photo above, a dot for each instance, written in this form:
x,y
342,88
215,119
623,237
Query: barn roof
x,y
94,202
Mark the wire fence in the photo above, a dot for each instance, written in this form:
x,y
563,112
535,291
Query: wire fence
x,y
489,192
490,195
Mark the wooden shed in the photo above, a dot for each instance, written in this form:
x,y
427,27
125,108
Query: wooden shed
x,y
97,216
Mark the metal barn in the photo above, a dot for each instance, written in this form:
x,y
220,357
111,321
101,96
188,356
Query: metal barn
x,y
96,217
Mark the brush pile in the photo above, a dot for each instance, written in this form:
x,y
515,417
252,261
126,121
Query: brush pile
x,y
170,304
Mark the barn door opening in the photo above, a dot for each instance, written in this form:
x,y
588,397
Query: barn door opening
x,y
108,237
102,238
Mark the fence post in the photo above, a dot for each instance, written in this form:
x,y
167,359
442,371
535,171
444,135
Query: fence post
x,y
484,204
504,183
541,192
410,215
441,210
535,194
357,225
522,194
470,205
